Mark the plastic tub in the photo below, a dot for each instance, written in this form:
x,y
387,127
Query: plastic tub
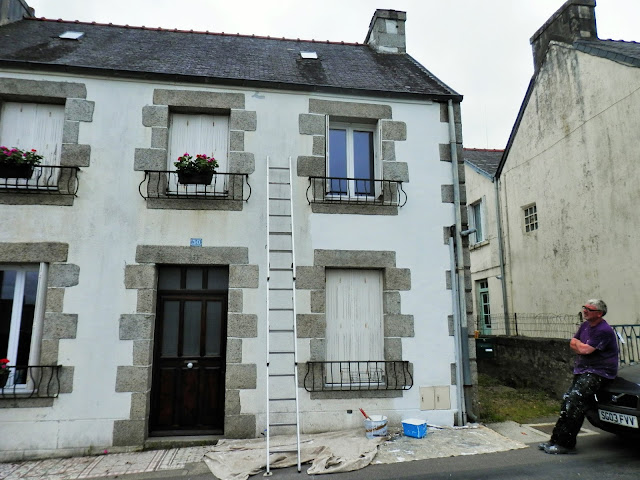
x,y
414,427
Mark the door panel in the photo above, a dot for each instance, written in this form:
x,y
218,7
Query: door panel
x,y
187,393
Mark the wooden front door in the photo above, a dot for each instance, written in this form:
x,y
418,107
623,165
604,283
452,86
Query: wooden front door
x,y
187,392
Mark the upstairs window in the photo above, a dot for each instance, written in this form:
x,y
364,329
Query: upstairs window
x,y
199,134
352,164
476,220
530,218
36,126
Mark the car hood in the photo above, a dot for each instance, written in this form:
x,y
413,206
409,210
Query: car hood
x,y
628,380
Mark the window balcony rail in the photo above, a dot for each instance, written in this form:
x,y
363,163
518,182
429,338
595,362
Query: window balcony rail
x,y
46,179
32,381
223,186
343,376
356,191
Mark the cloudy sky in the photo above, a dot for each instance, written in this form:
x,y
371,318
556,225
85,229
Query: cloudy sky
x,y
480,48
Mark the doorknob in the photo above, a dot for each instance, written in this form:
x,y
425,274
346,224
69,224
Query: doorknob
x,y
190,364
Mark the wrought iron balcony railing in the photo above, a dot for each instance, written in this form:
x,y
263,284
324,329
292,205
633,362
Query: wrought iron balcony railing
x,y
31,381
342,376
356,191
46,179
223,186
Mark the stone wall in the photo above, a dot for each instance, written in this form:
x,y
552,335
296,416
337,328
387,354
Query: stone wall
x,y
540,363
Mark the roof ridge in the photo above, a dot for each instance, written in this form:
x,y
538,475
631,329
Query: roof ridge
x,y
485,149
207,32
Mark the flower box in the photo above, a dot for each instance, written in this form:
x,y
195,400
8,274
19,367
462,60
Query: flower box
x,y
16,170
199,178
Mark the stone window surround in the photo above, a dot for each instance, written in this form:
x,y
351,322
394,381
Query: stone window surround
x,y
56,325
313,325
76,109
157,117
313,123
139,327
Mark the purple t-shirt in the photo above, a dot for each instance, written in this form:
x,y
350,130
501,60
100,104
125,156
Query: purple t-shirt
x,y
604,360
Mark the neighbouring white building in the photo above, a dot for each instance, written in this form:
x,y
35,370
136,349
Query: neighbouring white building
x,y
135,305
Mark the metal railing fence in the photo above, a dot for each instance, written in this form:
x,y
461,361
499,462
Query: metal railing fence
x,y
357,375
30,381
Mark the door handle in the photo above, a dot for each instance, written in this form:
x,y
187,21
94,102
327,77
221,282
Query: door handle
x,y
190,364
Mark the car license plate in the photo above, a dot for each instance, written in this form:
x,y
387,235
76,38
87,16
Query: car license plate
x,y
618,418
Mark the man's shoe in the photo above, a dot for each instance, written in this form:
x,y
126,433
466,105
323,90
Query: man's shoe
x,y
558,450
543,446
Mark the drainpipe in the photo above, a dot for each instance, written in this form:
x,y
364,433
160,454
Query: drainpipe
x,y
457,278
503,284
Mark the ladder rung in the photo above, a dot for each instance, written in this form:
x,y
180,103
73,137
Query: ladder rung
x,y
281,352
280,251
281,269
278,168
279,183
281,330
281,309
280,233
278,215
280,198
281,374
280,289
283,399
292,450
282,424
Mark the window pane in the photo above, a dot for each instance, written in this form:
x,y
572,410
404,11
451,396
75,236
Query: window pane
x,y
191,332
169,278
26,322
7,286
477,219
363,161
194,279
218,279
214,326
338,160
170,325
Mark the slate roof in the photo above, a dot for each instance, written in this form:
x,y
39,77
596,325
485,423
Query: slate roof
x,y
485,160
215,58
616,50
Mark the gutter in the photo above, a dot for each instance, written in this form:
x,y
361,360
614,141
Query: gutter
x,y
457,280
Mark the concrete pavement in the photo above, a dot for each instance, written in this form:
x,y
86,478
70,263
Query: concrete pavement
x,y
439,442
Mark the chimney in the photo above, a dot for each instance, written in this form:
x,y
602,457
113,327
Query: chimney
x,y
14,10
386,32
575,20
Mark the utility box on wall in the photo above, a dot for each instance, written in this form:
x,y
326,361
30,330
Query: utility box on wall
x,y
435,398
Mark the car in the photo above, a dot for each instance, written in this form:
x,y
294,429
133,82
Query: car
x,y
617,406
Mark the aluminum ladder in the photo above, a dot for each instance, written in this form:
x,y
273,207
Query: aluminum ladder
x,y
283,414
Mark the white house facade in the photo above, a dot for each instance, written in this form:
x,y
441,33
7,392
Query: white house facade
x,y
135,304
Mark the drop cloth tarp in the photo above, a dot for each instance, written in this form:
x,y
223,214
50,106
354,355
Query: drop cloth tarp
x,y
330,452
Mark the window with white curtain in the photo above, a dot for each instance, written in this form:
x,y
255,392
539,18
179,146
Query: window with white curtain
x,y
199,134
354,318
20,316
34,126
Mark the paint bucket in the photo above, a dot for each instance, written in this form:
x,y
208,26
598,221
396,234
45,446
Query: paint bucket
x,y
375,426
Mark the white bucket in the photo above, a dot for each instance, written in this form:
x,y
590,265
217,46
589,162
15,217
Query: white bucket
x,y
375,426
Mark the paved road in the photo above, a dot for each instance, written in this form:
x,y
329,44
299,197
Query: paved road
x,y
602,457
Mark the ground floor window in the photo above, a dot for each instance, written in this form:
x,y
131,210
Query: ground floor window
x,y
484,309
18,307
354,318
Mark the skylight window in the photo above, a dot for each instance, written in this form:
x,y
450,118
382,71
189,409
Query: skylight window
x,y
304,54
69,35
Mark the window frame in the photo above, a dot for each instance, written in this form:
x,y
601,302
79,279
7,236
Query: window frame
x,y
16,320
530,217
484,300
477,212
375,157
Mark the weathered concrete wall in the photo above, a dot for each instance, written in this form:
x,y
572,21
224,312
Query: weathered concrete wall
x,y
544,364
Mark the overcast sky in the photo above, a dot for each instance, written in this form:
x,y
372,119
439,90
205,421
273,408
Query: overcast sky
x,y
480,48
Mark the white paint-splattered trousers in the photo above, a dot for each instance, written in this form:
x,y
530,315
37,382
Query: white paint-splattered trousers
x,y
575,403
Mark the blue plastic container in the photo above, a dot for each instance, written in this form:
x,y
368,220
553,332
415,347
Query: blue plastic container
x,y
414,427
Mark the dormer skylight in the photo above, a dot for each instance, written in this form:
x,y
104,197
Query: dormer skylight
x,y
309,54
70,35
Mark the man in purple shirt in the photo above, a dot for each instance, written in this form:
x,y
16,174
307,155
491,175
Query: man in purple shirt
x,y
596,347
